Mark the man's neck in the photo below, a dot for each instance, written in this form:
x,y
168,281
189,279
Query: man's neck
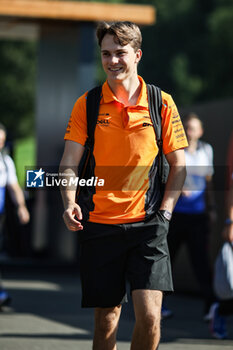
x,y
127,91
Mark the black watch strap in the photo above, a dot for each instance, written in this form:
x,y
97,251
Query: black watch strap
x,y
167,214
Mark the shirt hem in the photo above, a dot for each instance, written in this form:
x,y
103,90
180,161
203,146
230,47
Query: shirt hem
x,y
116,221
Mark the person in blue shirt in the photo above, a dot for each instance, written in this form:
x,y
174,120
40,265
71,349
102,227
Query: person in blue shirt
x,y
195,209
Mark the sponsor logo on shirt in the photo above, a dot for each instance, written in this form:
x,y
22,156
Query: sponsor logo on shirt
x,y
176,121
146,124
103,122
69,125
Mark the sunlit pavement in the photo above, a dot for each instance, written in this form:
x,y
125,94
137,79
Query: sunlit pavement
x,y
45,314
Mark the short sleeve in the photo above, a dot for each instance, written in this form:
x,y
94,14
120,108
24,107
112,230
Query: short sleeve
x,y
173,133
77,125
11,172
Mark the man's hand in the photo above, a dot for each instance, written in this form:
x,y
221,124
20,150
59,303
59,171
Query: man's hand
x,y
70,216
68,167
23,214
17,196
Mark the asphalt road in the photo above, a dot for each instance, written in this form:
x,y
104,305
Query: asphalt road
x,y
45,314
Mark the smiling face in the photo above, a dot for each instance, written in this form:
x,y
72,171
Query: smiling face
x,y
119,62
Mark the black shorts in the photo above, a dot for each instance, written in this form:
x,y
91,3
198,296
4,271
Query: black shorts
x,y
112,254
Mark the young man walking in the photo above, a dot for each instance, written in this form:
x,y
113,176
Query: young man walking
x,y
123,225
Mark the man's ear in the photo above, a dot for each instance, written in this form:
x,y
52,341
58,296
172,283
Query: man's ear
x,y
138,55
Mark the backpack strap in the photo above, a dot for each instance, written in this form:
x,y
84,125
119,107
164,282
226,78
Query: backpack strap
x,y
93,102
155,108
92,112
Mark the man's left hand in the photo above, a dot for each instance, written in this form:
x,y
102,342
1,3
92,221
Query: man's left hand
x,y
23,214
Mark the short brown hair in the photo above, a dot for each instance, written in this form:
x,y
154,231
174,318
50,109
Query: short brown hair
x,y
191,116
124,33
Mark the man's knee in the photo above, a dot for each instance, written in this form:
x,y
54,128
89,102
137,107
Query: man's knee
x,y
106,319
147,307
149,321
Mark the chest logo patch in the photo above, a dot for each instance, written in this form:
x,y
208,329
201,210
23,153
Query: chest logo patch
x,y
103,122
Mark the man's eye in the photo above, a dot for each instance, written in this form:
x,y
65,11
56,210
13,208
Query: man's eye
x,y
105,54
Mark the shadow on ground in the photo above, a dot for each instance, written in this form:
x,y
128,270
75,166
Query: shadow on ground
x,y
46,305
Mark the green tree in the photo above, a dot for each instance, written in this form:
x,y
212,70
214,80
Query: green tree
x,y
178,42
220,68
189,51
17,86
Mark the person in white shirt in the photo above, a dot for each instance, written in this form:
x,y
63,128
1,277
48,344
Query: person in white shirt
x,y
8,179
195,209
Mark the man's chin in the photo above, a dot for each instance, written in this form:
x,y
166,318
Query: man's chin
x,y
116,78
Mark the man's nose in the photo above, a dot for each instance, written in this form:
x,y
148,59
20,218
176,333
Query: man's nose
x,y
114,59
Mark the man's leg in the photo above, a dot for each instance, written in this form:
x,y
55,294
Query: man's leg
x,y
147,308
106,325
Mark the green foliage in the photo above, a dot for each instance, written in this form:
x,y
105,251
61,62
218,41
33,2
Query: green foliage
x,y
17,86
110,1
166,10
188,86
24,156
221,52
189,51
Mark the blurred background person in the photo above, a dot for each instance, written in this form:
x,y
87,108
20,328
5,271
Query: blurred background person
x,y
194,211
8,180
224,308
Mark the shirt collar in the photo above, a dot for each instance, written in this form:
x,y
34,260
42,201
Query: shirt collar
x,y
108,95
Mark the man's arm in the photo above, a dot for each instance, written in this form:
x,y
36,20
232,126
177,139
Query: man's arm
x,y
69,169
175,180
17,196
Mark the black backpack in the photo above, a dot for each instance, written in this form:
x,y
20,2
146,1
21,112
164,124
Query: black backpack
x,y
155,106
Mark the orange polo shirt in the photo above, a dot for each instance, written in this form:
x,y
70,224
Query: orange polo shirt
x,y
124,151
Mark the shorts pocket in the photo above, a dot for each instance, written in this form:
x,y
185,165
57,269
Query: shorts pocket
x,y
162,219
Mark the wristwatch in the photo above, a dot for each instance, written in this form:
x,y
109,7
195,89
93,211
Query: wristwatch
x,y
166,214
